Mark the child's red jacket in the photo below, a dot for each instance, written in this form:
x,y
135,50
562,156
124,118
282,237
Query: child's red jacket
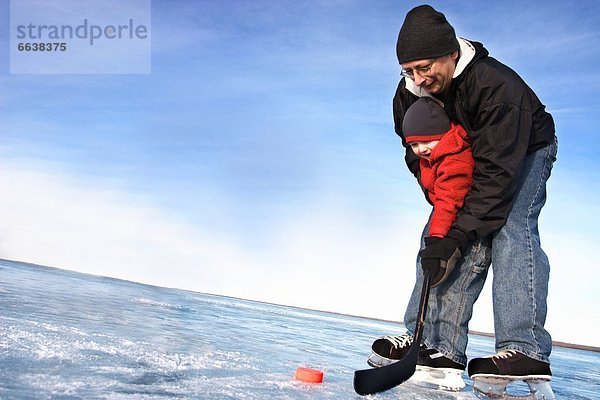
x,y
447,177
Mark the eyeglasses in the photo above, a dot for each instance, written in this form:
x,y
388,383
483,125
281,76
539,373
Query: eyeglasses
x,y
410,73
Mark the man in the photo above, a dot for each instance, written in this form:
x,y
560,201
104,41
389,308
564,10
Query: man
x,y
514,146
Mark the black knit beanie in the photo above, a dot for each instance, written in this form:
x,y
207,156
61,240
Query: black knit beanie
x,y
425,121
425,34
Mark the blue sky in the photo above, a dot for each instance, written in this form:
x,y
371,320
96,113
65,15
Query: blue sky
x,y
258,158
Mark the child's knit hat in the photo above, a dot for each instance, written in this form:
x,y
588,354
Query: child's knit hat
x,y
425,121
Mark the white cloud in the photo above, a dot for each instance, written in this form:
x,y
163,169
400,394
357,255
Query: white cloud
x,y
60,221
323,257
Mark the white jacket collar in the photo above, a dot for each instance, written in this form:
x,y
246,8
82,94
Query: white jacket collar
x,y
466,51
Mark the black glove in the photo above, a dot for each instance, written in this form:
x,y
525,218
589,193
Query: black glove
x,y
439,257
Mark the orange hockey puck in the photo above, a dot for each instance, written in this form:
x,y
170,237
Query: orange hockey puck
x,y
309,375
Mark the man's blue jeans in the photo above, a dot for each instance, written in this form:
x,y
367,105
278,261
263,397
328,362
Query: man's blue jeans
x,y
520,285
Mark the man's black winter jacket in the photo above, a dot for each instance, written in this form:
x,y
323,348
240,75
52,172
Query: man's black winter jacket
x,y
505,121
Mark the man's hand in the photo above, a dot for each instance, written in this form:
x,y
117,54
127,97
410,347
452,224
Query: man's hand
x,y
439,257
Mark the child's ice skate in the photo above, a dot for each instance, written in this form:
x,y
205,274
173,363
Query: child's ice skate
x,y
389,349
433,369
492,376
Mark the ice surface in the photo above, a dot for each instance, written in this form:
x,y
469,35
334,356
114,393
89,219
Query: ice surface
x,y
68,335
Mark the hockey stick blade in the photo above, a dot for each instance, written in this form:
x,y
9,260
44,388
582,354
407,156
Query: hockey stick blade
x,y
374,380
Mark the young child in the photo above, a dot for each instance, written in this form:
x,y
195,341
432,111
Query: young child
x,y
446,163
446,172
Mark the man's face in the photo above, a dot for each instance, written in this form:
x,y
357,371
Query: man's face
x,y
433,75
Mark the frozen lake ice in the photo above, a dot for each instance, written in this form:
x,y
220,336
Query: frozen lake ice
x,y
65,335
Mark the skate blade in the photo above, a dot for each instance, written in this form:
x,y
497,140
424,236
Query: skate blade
x,y
376,361
447,379
495,387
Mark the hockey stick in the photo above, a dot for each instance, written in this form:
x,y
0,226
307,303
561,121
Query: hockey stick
x,y
374,380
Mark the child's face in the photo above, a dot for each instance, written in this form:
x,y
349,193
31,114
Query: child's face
x,y
423,149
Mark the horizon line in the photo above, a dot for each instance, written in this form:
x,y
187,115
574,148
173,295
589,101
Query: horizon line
x,y
555,343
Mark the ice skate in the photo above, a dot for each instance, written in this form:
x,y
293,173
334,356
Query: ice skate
x,y
499,377
389,349
436,371
433,369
